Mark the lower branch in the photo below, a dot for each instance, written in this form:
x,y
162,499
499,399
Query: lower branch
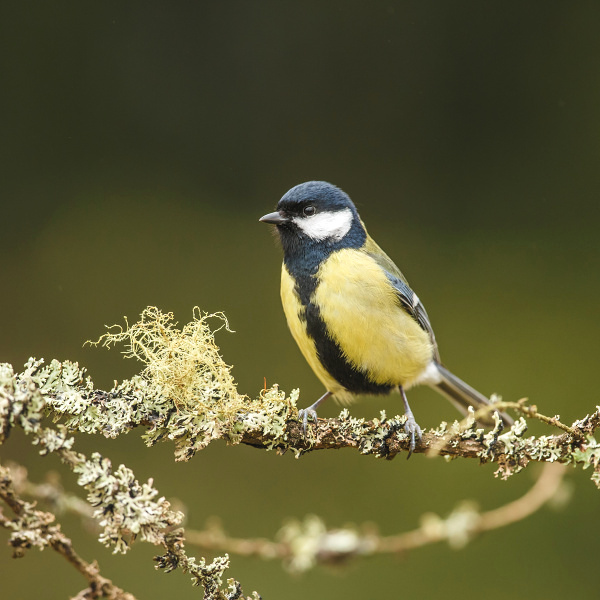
x,y
466,522
306,544
34,528
303,545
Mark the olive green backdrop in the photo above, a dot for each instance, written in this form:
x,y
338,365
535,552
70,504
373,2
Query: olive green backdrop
x,y
142,141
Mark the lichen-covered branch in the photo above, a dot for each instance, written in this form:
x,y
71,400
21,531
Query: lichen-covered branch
x,y
186,394
385,437
302,545
31,527
125,508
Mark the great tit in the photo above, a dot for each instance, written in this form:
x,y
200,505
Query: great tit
x,y
351,311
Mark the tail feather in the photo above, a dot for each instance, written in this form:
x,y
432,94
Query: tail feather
x,y
463,395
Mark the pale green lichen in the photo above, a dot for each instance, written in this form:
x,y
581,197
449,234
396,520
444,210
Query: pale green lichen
x,y
512,439
53,440
589,456
310,542
30,527
491,438
202,572
458,528
126,508
441,430
22,402
371,436
544,448
270,416
382,430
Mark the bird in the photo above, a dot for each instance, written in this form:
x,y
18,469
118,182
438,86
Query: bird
x,y
359,325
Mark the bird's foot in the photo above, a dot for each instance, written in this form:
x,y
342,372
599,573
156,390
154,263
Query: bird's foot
x,y
307,413
412,430
311,412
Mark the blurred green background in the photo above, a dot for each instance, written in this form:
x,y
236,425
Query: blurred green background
x,y
140,144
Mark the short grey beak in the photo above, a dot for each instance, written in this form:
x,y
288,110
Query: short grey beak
x,y
275,218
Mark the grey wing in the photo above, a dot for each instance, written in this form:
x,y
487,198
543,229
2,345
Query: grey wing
x,y
413,306
408,299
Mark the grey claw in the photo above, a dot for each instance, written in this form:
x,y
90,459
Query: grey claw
x,y
411,428
304,414
311,411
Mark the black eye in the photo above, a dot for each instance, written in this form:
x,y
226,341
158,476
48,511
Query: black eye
x,y
309,210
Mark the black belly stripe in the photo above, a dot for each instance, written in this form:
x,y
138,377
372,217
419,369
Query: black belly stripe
x,y
328,351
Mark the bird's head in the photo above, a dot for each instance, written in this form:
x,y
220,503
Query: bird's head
x,y
316,214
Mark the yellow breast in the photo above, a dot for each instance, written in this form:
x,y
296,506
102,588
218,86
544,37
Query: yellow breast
x,y
363,315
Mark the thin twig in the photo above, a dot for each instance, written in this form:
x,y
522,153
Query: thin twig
x,y
577,434
544,489
531,411
464,524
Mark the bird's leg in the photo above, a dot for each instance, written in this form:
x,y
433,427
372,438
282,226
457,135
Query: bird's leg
x,y
311,411
410,427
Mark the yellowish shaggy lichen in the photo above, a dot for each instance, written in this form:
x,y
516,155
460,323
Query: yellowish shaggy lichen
x,y
186,390
185,364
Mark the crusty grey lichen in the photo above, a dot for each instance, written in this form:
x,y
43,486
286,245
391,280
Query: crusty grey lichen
x,y
126,509
589,457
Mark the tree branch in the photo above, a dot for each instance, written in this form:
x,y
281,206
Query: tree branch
x,y
466,522
301,545
34,528
127,509
386,438
186,394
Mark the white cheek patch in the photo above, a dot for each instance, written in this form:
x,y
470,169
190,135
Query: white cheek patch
x,y
326,225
